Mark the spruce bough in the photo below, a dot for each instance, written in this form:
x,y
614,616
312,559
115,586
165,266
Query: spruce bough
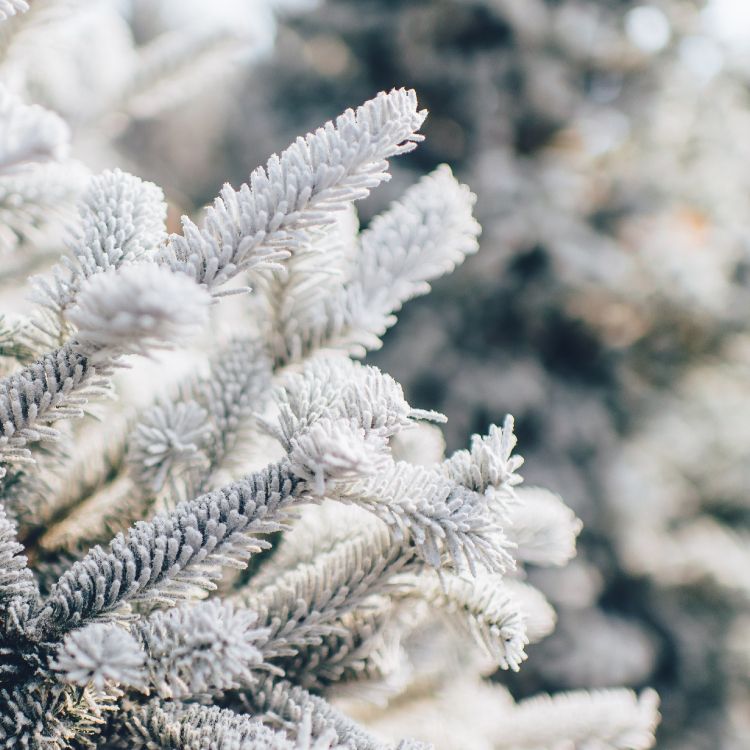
x,y
219,617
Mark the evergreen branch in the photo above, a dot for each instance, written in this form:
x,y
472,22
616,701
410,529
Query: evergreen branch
x,y
484,609
422,236
100,654
118,312
121,220
611,719
136,308
37,181
11,341
489,464
236,388
34,202
363,646
295,298
296,193
168,441
193,436
538,617
54,387
175,554
18,587
29,714
339,389
543,528
303,606
28,133
205,648
286,705
171,725
344,455
438,517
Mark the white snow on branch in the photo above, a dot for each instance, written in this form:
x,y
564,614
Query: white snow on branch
x,y
543,528
263,222
28,132
121,220
137,308
99,654
168,439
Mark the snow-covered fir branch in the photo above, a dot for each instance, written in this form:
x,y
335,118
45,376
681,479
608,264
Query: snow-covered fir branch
x,y
227,614
297,192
